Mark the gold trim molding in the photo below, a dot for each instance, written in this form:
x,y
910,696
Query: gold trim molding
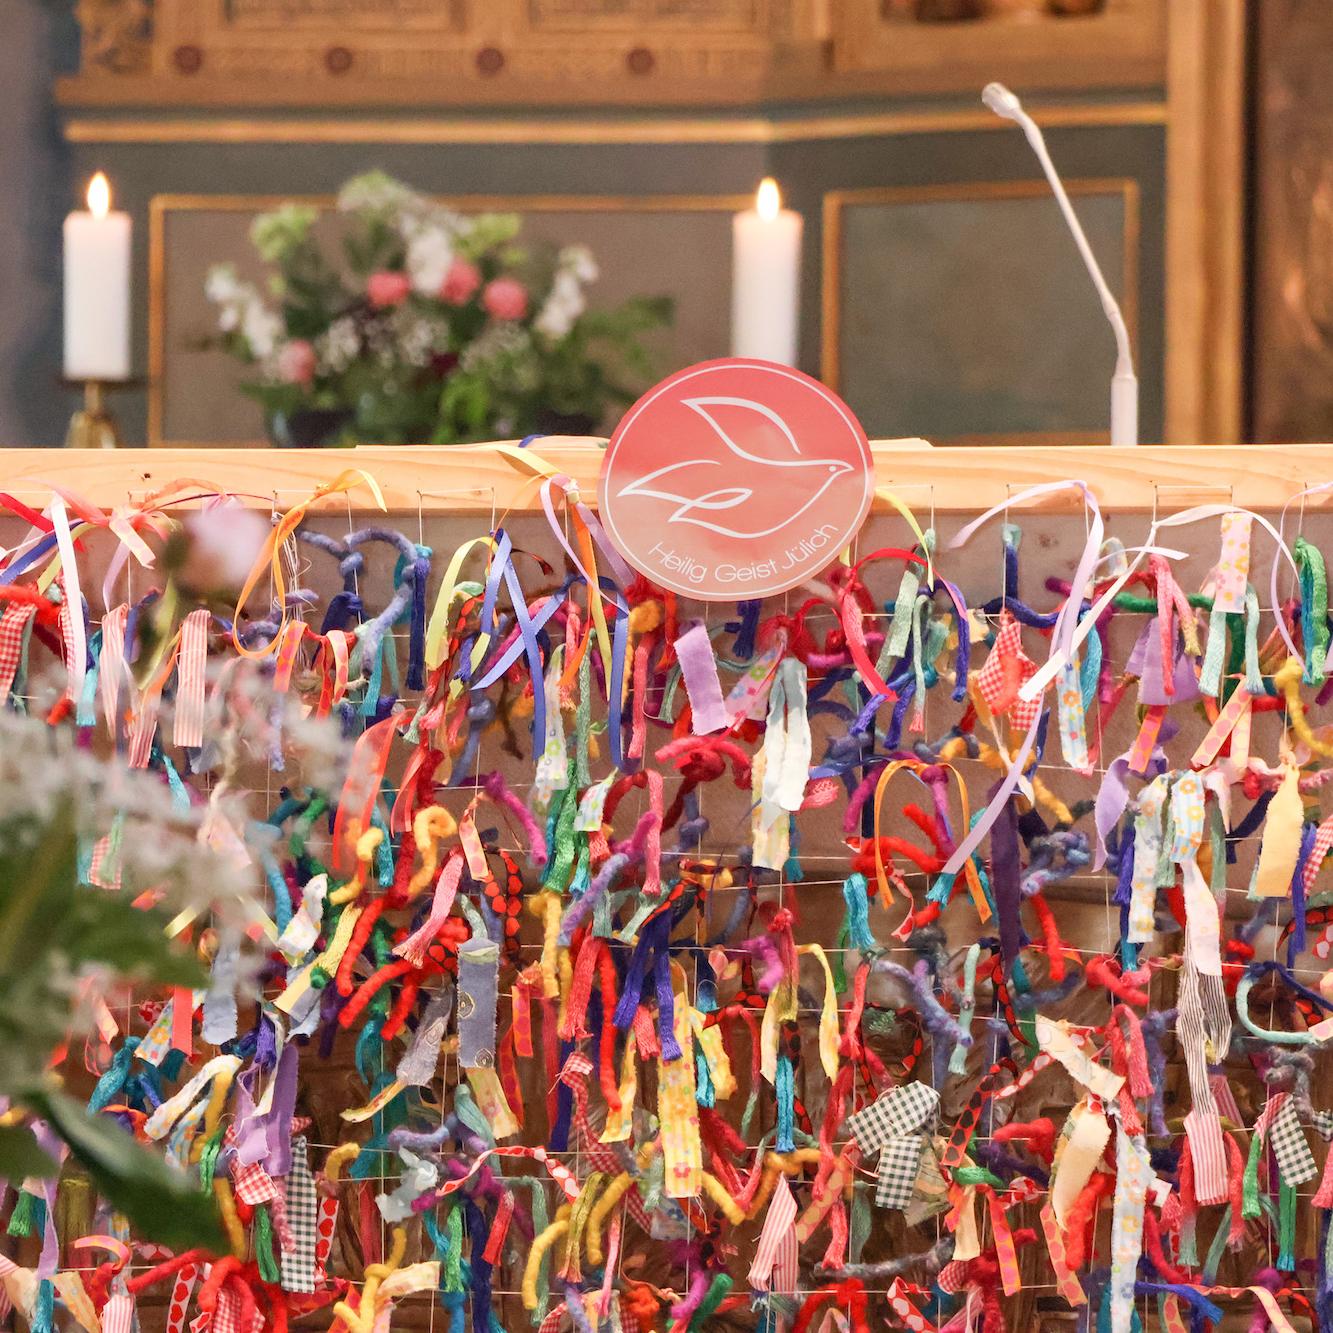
x,y
605,130
837,201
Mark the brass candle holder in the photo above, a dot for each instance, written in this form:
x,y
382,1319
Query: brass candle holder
x,y
93,426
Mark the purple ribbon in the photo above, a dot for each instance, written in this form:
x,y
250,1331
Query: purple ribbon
x,y
1005,875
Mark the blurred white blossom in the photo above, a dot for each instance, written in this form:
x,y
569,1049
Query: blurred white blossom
x,y
376,192
575,268
338,346
224,542
429,254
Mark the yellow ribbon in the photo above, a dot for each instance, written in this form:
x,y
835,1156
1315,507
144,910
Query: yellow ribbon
x,y
270,557
828,1014
1280,847
437,628
881,873
883,493
362,1319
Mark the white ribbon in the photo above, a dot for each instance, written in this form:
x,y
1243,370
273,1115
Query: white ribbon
x,y
787,743
78,642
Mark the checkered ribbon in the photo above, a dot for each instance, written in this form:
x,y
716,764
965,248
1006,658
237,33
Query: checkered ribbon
x,y
601,1156
254,1185
1006,670
1294,1159
13,626
104,864
1323,838
227,1314
894,1125
302,1209
952,1278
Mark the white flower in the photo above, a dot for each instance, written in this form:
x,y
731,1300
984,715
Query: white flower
x,y
222,286
430,252
338,346
261,328
416,339
233,297
376,192
562,307
420,215
578,260
497,342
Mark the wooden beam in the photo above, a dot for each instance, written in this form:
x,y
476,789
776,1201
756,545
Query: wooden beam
x,y
1205,221
483,480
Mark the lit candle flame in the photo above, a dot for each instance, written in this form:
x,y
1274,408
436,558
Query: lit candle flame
x,y
99,196
768,201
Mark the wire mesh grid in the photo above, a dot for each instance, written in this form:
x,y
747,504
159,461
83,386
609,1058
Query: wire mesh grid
x,y
710,908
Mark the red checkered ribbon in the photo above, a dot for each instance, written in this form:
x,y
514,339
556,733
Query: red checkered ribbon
x,y
254,1185
13,626
601,1156
1006,670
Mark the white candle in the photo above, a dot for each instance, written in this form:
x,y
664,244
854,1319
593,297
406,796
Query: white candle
x,y
766,279
97,289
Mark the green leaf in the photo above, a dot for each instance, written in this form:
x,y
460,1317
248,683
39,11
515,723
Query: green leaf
x,y
162,1202
36,889
21,1156
104,927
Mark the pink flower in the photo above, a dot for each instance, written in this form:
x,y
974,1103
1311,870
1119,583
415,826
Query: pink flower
x,y
296,362
505,298
460,283
385,289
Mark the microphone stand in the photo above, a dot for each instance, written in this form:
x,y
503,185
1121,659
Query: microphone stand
x,y
1124,384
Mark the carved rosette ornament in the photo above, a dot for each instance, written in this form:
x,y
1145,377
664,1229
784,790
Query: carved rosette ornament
x,y
117,35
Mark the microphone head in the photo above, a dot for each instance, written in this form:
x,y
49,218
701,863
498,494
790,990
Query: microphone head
x,y
1000,100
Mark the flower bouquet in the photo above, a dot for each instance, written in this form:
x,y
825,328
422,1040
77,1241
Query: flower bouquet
x,y
432,327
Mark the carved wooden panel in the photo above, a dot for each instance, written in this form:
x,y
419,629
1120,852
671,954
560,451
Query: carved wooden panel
x,y
336,50
596,15
241,53
1033,43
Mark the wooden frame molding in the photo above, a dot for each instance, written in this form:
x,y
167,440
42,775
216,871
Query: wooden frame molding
x,y
1205,222
162,205
837,201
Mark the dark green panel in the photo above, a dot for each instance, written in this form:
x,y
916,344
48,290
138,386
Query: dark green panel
x,y
809,170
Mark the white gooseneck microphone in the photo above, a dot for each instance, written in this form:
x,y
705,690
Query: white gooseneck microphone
x,y
1124,384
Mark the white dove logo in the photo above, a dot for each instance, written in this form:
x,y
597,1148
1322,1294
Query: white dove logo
x,y
808,478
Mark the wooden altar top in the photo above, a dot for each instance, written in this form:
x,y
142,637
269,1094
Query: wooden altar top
x,y
482,478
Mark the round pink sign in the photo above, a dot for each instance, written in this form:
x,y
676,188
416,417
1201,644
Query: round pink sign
x,y
735,479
